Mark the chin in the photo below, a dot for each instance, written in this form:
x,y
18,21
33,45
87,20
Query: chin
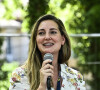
x,y
47,52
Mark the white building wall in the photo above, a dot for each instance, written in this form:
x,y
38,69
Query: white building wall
x,y
14,48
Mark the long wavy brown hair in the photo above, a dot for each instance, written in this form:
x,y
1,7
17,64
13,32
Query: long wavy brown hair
x,y
34,61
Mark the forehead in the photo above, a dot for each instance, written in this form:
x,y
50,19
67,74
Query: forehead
x,y
48,24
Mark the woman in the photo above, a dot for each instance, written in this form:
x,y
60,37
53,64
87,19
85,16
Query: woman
x,y
48,36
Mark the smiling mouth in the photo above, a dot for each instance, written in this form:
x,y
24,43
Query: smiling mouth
x,y
48,44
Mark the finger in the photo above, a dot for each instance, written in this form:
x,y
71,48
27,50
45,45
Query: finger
x,y
45,73
48,71
48,66
46,62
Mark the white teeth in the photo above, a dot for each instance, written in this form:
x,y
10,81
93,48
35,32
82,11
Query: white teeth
x,y
48,44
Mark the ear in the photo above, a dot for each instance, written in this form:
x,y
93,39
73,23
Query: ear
x,y
63,40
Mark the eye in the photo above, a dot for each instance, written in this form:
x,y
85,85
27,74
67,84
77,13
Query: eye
x,y
41,33
53,32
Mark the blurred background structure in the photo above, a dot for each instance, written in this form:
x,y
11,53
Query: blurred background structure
x,y
82,21
13,48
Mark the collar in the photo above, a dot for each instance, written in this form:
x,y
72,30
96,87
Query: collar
x,y
63,68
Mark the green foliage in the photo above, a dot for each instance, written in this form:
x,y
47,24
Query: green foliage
x,y
5,73
35,10
10,8
86,19
28,14
65,14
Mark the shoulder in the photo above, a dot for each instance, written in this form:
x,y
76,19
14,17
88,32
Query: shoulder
x,y
18,73
73,76
70,71
19,80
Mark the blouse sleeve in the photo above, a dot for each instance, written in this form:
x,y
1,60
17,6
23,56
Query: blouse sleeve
x,y
18,80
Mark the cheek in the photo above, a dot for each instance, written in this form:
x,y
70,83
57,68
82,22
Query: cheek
x,y
60,41
38,40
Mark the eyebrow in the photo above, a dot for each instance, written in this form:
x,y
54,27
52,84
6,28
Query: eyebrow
x,y
53,29
40,29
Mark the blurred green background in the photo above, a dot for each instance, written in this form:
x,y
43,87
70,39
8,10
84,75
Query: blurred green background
x,y
79,17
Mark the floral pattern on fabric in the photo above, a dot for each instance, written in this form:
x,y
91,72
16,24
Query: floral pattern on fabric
x,y
18,77
71,79
74,78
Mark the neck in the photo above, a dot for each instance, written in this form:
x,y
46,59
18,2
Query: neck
x,y
55,67
55,62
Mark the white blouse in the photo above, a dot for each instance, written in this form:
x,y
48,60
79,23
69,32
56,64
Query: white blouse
x,y
71,79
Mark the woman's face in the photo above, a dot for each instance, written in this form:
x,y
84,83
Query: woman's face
x,y
49,38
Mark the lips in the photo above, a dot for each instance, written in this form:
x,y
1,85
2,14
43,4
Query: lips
x,y
48,44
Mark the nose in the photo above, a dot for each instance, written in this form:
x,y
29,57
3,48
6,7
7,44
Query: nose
x,y
47,36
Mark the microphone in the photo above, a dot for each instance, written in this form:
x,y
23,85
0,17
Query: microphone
x,y
50,57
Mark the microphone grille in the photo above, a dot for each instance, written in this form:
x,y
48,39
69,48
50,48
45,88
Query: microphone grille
x,y
48,56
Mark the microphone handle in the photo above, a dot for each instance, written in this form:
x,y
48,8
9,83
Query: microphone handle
x,y
49,80
49,83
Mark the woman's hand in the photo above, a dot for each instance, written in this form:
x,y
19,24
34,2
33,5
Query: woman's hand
x,y
45,71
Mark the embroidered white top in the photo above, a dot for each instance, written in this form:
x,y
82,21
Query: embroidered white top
x,y
71,79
